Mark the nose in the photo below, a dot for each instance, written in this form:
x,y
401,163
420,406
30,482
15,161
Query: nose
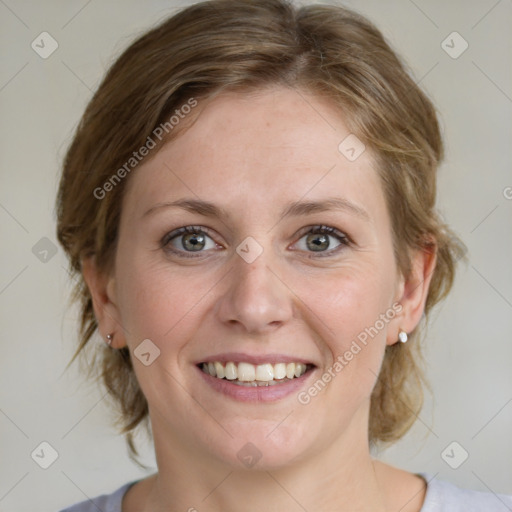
x,y
256,300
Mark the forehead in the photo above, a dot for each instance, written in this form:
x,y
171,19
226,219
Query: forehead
x,y
259,149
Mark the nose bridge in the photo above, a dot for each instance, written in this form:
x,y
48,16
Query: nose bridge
x,y
255,298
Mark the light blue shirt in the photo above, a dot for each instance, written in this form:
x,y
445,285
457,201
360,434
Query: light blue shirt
x,y
441,496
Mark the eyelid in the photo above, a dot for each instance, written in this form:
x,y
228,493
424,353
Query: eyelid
x,y
343,238
165,245
330,230
184,230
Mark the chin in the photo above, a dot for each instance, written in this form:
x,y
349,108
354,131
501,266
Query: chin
x,y
266,448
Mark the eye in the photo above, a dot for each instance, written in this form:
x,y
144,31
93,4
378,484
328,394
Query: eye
x,y
193,239
317,240
188,239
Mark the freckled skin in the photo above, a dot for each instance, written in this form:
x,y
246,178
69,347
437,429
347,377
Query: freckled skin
x,y
252,154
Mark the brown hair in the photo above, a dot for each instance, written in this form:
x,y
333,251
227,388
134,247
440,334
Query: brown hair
x,y
240,45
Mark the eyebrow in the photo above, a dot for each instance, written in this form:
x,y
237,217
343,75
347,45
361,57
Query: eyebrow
x,y
293,209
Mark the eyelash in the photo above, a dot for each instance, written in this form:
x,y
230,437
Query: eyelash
x,y
344,240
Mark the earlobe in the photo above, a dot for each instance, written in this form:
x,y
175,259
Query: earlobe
x,y
414,292
102,290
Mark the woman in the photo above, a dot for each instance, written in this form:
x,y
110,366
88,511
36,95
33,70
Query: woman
x,y
249,204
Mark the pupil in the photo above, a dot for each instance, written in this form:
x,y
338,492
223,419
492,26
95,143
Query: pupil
x,y
319,241
196,241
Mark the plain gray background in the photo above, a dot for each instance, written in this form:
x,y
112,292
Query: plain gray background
x,y
469,345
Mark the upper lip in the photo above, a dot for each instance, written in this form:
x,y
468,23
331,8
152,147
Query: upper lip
x,y
256,359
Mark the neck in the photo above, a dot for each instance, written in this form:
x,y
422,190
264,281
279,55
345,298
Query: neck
x,y
341,477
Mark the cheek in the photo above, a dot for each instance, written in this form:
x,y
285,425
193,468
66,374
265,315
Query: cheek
x,y
350,300
350,307
158,303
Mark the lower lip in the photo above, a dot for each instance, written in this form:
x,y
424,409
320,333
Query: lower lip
x,y
256,393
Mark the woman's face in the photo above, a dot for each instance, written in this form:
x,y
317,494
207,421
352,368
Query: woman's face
x,y
258,288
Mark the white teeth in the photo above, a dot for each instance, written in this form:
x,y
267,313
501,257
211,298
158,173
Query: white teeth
x,y
230,371
249,374
299,369
246,372
219,370
279,371
264,372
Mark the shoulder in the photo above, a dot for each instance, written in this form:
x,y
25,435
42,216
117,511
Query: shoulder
x,y
105,502
443,496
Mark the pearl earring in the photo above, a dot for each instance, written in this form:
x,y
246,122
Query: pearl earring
x,y
110,337
402,336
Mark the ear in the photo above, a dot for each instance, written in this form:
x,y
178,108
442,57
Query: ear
x,y
413,292
102,289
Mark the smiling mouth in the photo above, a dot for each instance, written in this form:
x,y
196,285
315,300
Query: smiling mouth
x,y
250,375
